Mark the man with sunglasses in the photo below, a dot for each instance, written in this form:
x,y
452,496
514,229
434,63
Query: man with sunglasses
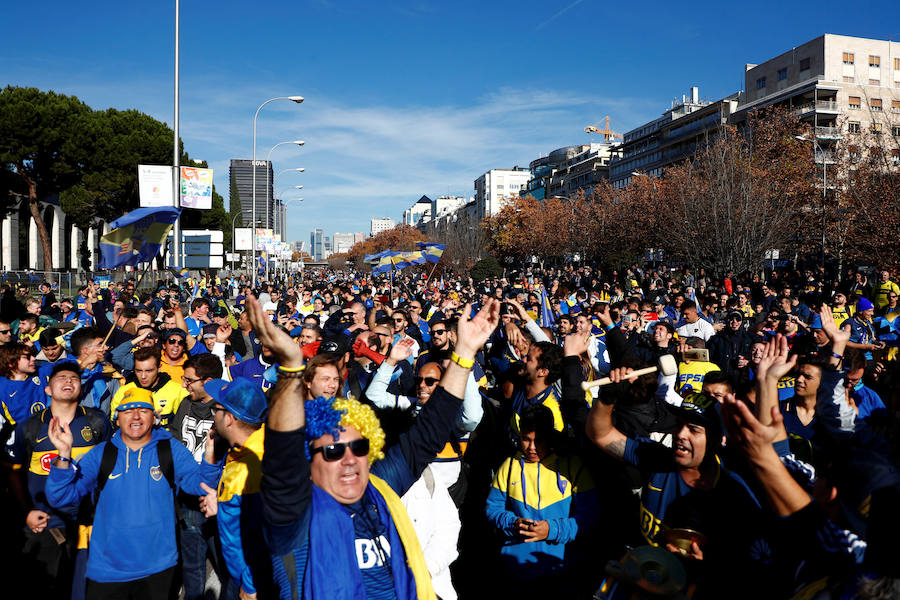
x,y
174,353
239,409
311,485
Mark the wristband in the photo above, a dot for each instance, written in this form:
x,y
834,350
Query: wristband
x,y
64,459
299,369
837,356
465,363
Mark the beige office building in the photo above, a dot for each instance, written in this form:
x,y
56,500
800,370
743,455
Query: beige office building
x,y
839,84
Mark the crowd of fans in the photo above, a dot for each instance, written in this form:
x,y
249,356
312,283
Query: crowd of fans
x,y
334,435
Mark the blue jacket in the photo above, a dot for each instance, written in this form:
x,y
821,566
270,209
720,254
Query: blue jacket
x,y
558,490
134,523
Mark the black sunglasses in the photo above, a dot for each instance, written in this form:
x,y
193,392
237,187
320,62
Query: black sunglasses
x,y
333,452
438,331
429,381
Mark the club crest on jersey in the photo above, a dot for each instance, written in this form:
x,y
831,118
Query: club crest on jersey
x,y
87,434
156,473
46,460
36,380
37,407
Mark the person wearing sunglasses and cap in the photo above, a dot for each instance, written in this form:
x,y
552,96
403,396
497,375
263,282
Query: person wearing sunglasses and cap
x,y
333,518
239,410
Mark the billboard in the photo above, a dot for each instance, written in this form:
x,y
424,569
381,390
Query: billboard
x,y
243,238
196,188
155,185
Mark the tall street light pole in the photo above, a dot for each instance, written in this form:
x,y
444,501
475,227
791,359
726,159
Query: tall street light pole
x,y
176,158
818,148
284,204
298,100
268,162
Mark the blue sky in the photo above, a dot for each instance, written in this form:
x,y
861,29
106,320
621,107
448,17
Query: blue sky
x,y
403,98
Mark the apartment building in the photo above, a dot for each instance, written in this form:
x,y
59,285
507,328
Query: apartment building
x,y
495,186
839,84
669,139
581,171
380,224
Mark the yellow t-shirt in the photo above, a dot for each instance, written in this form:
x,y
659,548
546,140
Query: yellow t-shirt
x,y
692,373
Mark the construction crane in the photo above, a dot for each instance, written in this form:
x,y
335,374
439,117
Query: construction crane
x,y
606,132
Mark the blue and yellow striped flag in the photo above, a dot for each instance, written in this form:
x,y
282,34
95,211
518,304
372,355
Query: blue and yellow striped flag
x,y
137,237
431,250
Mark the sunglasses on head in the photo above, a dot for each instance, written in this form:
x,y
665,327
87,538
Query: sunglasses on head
x,y
333,452
429,381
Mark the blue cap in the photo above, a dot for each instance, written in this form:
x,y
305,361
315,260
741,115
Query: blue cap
x,y
864,304
815,322
241,397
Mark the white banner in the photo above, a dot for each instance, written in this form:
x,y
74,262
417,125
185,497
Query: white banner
x,y
243,238
155,185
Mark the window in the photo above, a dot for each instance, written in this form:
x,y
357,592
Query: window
x,y
895,131
848,58
897,64
804,64
853,151
761,83
782,74
895,106
874,82
853,102
875,104
848,79
875,128
895,157
853,127
874,61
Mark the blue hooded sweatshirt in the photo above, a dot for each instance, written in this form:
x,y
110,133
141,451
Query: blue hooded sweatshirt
x,y
134,524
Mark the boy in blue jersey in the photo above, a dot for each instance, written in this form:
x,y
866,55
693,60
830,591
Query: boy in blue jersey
x,y
21,391
686,487
56,535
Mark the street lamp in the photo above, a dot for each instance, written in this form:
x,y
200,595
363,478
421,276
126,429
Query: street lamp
x,y
280,173
818,147
283,204
268,159
296,99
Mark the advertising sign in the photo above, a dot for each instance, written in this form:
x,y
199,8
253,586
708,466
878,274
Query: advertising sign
x,y
243,238
196,188
155,185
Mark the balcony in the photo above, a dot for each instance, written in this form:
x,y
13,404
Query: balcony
x,y
828,133
824,157
822,106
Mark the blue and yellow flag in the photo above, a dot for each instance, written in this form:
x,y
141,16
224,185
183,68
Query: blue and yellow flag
x,y
178,272
547,317
137,237
431,251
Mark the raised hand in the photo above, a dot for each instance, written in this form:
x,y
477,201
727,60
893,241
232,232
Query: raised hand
x,y
776,361
473,333
223,333
287,352
748,432
61,437
401,350
830,327
575,344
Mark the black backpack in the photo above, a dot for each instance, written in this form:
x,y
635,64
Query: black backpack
x,y
111,455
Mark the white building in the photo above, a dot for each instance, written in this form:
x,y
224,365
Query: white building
x,y
342,242
418,211
380,224
495,186
446,205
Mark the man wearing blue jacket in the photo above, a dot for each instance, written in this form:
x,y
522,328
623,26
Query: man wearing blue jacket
x,y
133,549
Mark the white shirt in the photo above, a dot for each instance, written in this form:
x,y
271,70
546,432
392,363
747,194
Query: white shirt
x,y
700,328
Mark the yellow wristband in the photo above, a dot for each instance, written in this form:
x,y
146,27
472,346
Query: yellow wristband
x,y
465,363
299,369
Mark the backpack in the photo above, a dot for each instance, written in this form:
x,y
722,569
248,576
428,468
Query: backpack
x,y
111,455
